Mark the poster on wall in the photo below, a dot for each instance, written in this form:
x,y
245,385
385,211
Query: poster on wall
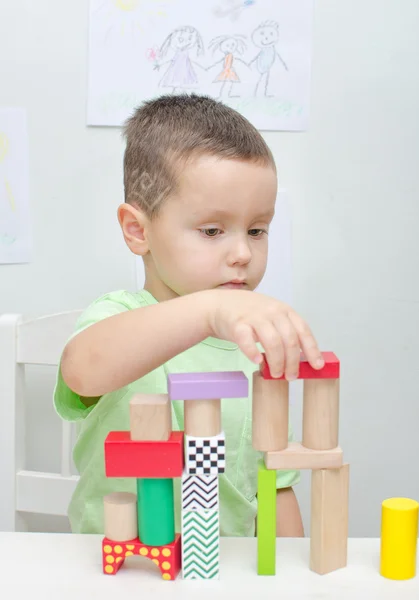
x,y
254,55
15,227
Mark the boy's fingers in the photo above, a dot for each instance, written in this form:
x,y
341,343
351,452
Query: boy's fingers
x,y
286,331
245,339
273,345
308,342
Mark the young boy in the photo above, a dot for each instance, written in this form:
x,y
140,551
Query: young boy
x,y
200,191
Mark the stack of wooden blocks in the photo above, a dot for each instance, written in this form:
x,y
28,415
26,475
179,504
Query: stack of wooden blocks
x,y
318,451
153,454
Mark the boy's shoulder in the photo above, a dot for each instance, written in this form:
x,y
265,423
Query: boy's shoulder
x,y
124,298
113,303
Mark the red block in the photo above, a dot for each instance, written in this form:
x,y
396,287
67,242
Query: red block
x,y
168,558
144,458
331,369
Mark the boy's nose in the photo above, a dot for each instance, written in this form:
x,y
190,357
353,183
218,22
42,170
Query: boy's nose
x,y
239,254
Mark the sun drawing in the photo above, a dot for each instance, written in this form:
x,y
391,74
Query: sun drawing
x,y
127,18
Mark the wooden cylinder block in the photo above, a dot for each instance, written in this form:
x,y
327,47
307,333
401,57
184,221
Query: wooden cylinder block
x,y
150,417
120,516
270,410
202,418
321,414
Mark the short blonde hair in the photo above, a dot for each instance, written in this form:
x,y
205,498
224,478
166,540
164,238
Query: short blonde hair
x,y
166,132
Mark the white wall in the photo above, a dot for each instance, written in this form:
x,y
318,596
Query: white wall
x,y
353,181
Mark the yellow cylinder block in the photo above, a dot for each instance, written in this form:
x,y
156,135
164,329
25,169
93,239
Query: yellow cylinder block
x,y
399,532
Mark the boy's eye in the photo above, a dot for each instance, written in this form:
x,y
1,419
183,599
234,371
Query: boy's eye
x,y
210,231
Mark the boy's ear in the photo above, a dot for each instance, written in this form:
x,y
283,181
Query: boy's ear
x,y
134,223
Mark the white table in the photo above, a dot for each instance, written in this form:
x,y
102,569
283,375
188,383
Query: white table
x,y
69,567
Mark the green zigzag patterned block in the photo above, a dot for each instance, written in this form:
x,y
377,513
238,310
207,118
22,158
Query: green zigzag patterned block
x,y
200,544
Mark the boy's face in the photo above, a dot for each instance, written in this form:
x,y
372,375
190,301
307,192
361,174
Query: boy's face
x,y
213,230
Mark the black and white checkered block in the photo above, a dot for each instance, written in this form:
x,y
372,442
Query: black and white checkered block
x,y
205,456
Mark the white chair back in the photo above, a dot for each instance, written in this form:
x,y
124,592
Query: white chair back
x,y
38,341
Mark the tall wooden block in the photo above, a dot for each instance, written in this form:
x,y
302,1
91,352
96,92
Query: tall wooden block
x,y
266,521
321,414
200,544
329,519
150,417
270,408
120,516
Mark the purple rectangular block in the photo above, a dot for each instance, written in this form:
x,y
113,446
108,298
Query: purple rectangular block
x,y
207,386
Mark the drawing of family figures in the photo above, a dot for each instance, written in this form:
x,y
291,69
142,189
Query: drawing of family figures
x,y
181,73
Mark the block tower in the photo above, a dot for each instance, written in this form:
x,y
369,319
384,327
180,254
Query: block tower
x,y
144,523
204,461
318,451
153,454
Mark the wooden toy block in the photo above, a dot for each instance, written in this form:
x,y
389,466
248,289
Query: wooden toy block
x,y
270,406
266,521
120,516
329,519
330,370
144,459
168,557
150,417
156,514
296,456
200,492
207,385
202,418
321,414
200,544
205,456
399,535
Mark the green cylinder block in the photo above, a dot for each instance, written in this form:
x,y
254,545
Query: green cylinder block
x,y
156,512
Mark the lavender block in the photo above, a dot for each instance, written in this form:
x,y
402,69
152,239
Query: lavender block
x,y
207,386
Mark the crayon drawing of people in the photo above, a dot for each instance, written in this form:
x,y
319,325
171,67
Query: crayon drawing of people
x,y
180,73
265,37
229,46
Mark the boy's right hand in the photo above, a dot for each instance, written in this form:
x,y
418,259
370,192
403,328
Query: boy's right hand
x,y
246,317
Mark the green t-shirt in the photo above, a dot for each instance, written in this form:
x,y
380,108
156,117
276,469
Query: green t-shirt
x,y
237,486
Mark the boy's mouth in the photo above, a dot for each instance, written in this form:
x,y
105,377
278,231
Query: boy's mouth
x,y
235,285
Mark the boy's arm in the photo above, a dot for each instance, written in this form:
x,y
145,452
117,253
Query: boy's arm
x,y
122,348
288,516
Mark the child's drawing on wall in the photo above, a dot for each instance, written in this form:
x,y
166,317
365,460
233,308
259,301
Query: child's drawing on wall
x,y
230,46
180,74
265,37
254,55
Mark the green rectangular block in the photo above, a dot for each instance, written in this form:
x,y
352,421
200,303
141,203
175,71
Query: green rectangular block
x,y
200,544
266,520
